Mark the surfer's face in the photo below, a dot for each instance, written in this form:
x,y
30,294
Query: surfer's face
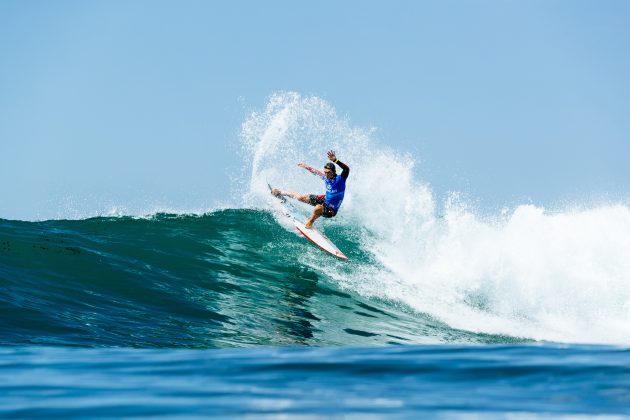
x,y
329,174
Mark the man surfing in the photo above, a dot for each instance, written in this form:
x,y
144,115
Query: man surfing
x,y
327,204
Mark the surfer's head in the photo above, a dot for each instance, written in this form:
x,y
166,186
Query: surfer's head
x,y
329,170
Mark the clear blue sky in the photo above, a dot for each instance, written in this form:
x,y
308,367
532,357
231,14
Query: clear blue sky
x,y
132,102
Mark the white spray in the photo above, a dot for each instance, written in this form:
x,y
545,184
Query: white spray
x,y
527,273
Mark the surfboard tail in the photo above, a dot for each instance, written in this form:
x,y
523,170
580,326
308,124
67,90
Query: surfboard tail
x,y
320,240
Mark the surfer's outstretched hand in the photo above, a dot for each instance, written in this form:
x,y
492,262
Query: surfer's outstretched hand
x,y
302,165
276,192
331,155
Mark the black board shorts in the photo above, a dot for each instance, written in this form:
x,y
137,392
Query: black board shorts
x,y
319,199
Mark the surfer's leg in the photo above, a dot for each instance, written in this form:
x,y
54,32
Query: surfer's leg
x,y
319,209
304,198
300,197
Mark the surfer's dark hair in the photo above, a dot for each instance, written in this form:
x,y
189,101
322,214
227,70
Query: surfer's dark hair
x,y
330,166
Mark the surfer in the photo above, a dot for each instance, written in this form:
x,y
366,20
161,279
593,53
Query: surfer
x,y
328,204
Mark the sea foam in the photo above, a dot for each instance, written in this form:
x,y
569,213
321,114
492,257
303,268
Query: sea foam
x,y
527,272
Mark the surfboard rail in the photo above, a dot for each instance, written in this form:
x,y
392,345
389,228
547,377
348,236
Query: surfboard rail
x,y
329,247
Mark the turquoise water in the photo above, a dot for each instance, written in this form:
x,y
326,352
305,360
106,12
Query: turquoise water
x,y
231,278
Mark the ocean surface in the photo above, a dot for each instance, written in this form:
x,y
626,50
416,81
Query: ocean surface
x,y
225,314
442,310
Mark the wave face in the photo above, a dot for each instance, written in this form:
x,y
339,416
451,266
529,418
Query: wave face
x,y
229,278
239,278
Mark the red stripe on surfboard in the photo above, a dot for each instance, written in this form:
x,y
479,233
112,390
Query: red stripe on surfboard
x,y
338,254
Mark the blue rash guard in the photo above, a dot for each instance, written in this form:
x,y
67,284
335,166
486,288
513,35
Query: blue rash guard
x,y
336,188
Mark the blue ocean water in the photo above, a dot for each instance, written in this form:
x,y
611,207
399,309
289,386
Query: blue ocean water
x,y
438,312
398,381
183,316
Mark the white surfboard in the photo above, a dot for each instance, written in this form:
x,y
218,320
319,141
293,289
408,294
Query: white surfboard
x,y
313,234
319,239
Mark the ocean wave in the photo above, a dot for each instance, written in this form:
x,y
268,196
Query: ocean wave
x,y
228,278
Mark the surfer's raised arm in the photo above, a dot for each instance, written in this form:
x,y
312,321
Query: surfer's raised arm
x,y
311,169
346,169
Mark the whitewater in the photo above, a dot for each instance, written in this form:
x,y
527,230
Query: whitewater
x,y
560,276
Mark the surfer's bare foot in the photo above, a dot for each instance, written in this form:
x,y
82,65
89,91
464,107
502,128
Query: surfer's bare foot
x,y
308,224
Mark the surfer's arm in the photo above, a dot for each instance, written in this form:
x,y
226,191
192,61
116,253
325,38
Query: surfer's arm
x,y
311,169
346,169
